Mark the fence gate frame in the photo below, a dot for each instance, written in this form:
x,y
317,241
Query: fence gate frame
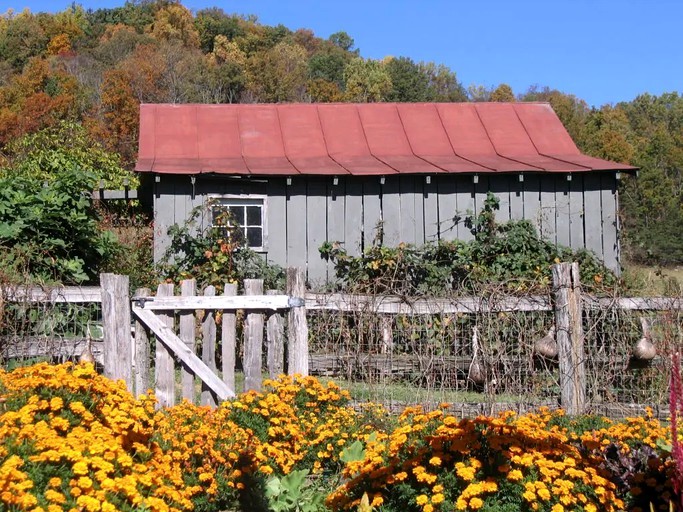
x,y
127,357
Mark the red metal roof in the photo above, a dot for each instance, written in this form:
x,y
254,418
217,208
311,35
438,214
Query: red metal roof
x,y
358,139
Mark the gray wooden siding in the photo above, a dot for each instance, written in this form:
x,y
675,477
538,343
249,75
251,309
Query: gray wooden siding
x,y
301,215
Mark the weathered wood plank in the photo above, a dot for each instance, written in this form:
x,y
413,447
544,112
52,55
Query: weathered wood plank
x,y
430,201
391,211
335,215
296,222
401,305
353,220
15,347
209,347
372,211
562,211
257,302
229,339
593,214
75,294
316,229
610,241
465,202
275,342
118,350
448,210
408,217
188,288
516,197
253,340
297,325
576,216
164,372
532,200
275,208
548,228
168,337
569,336
142,359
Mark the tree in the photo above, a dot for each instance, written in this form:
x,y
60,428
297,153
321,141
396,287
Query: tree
x,y
342,40
367,81
213,22
174,22
278,74
21,37
47,154
408,81
442,83
502,93
51,231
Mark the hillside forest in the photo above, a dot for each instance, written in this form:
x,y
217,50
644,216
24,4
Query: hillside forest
x,y
71,84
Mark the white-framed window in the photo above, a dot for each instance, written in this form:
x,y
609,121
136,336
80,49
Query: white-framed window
x,y
246,212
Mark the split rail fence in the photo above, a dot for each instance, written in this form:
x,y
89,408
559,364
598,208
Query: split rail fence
x,y
183,326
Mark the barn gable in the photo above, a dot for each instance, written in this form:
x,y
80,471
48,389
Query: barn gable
x,y
299,175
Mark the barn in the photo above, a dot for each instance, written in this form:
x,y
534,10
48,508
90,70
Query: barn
x,y
297,175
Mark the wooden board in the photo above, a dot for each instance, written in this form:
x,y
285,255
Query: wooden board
x,y
610,240
372,210
592,198
576,214
168,337
391,211
353,218
448,209
276,222
548,227
516,197
532,200
296,222
336,200
562,210
465,204
316,230
408,217
430,201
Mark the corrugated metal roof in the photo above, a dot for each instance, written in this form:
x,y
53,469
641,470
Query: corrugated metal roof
x,y
358,139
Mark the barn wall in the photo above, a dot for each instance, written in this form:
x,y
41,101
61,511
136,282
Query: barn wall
x,y
301,215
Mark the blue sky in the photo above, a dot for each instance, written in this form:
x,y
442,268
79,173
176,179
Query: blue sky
x,y
603,51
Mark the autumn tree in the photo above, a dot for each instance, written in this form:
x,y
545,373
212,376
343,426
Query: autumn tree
x,y
502,93
367,81
278,74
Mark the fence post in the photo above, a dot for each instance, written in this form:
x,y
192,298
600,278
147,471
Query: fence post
x,y
164,368
229,340
275,342
297,348
570,339
253,339
118,350
142,362
209,347
186,328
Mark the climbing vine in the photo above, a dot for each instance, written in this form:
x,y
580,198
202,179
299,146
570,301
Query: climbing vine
x,y
510,253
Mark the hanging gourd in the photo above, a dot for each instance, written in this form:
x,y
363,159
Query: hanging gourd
x,y
476,372
87,356
645,350
547,345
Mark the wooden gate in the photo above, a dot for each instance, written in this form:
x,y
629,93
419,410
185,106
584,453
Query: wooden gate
x,y
198,318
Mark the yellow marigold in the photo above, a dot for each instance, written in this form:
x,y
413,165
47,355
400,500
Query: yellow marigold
x,y
476,503
435,461
437,498
422,499
515,475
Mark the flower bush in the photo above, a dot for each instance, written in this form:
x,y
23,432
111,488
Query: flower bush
x,y
74,440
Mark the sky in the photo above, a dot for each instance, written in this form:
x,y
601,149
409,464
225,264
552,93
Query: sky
x,y
602,51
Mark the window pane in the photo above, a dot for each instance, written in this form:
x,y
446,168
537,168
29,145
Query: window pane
x,y
253,215
237,214
254,237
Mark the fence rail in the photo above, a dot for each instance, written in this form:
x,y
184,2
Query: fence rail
x,y
186,330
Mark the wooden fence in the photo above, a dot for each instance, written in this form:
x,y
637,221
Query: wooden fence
x,y
127,357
